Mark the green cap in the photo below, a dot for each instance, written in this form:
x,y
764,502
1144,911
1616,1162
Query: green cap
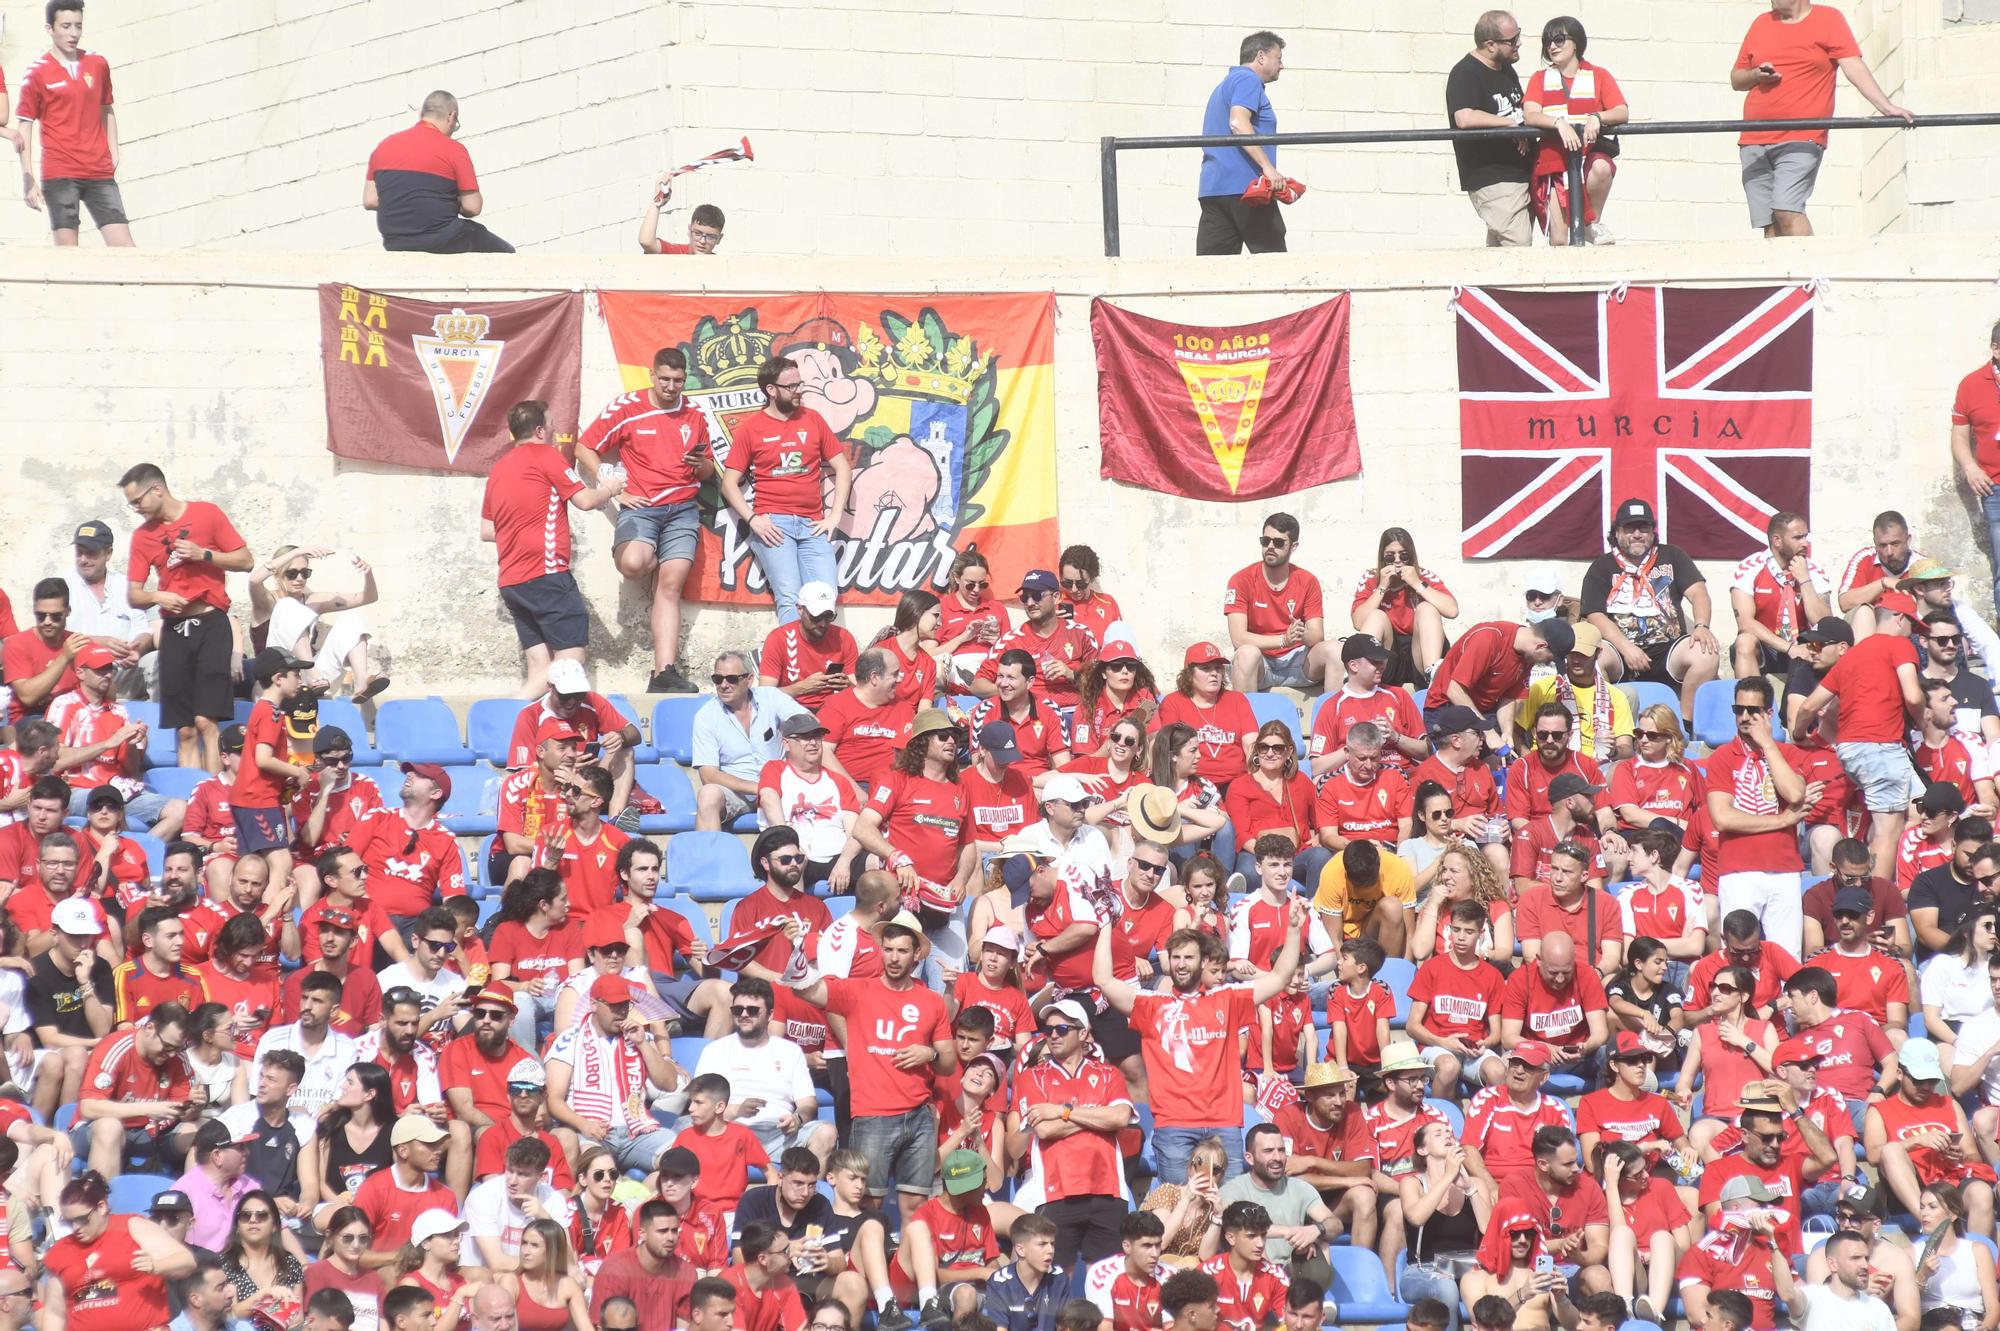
x,y
964,1171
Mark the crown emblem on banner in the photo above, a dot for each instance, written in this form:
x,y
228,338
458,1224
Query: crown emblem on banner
x,y
730,356
923,360
461,328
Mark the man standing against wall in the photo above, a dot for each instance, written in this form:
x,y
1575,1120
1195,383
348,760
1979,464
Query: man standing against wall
x,y
1484,92
1975,442
1786,67
66,103
423,190
1239,105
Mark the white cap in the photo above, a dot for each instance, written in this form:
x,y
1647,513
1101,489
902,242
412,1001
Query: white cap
x,y
73,915
816,598
429,1224
528,1070
566,676
1537,578
1070,1008
1065,788
1001,936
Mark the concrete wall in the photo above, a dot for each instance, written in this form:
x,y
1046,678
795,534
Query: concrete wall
x,y
916,127
208,364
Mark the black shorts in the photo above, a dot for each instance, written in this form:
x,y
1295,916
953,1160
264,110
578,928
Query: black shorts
x,y
66,199
1115,1035
194,669
1401,668
548,612
1229,226
1656,671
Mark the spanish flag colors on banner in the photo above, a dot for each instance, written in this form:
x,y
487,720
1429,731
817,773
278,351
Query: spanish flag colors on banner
x,y
946,404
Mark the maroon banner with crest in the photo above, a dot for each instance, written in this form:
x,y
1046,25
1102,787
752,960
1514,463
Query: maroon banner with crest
x,y
418,384
1570,402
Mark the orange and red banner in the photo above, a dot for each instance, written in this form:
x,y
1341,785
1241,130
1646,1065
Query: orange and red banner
x,y
946,403
418,384
1241,412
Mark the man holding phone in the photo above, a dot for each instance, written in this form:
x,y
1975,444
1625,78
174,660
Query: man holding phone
x,y
810,658
1786,66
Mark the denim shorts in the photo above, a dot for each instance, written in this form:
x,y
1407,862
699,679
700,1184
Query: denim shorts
x,y
66,200
673,530
901,1149
1882,771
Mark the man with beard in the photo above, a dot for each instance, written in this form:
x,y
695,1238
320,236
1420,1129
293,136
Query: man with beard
x,y
1188,1036
600,1069
785,451
1061,647
1651,605
412,859
1775,594
39,663
473,1068
21,840
810,657
1400,1118
100,610
1870,572
1766,1108
327,1053
359,1005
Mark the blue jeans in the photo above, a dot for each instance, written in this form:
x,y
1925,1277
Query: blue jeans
x,y
1991,506
1173,1146
799,558
1420,1280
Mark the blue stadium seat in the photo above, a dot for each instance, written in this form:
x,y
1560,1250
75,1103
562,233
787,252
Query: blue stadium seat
x,y
668,783
343,713
687,1051
475,799
1417,696
709,866
65,1117
133,1194
696,917
388,780
1398,973
1268,707
673,726
176,783
642,752
162,745
839,906
476,885
1361,1287
242,713
1714,723
1647,692
489,725
421,730
156,854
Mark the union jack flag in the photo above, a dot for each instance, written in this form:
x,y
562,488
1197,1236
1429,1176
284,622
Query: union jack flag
x,y
1699,401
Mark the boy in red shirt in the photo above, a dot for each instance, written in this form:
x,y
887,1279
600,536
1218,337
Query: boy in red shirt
x,y
262,795
726,1150
66,96
1358,1009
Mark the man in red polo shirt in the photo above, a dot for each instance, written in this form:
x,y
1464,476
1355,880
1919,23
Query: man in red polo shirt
x,y
1868,980
1487,670
1363,698
1569,903
423,190
1743,944
1363,801
1501,1122
1557,1002
473,1068
1277,623
1061,647
1071,1107
66,104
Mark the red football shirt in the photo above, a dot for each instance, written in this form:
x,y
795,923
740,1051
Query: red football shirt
x,y
1977,406
68,104
1084,1164
589,870
530,958
1360,1018
1009,1005
1191,1044
1220,730
1390,708
1851,1047
1551,1015
1743,772
409,868
726,1160
1000,808
255,788
1048,919
784,460
1363,813
925,820
880,1021
1730,1260
1471,788
1538,914
198,580
789,656
1504,1133
652,443
462,1065
1529,779
1271,610
763,908
1867,983
1484,663
1458,1000
1648,1118
1250,1300
23,656
344,809
1399,604
1661,790
1786,1178
865,738
525,495
1038,735
591,718
1871,697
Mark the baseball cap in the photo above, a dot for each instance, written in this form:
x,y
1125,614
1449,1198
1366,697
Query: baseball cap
x,y
1629,1045
334,918
1202,653
1794,1050
604,930
1118,650
1064,789
93,535
275,661
1747,1188
1039,580
1532,1052
1853,900
802,726
929,721
73,915
415,1128
331,739
1942,797
1861,1196
1634,510
1544,578
1362,647
434,774
555,728
529,1072
1018,870
611,989
96,657
1072,1009
816,598
1831,629
679,1162
171,1200
997,739
434,1223
964,1171
104,797
1919,1058
1903,604
1568,784
566,676
232,738
1002,937
1558,634
1452,719
1587,638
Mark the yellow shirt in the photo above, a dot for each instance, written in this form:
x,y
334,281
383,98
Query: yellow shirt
x,y
1543,690
1397,879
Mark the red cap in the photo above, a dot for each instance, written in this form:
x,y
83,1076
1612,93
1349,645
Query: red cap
x,y
1905,605
434,774
499,995
1202,653
1118,650
1795,1050
1629,1044
96,657
554,727
611,989
604,930
1534,1053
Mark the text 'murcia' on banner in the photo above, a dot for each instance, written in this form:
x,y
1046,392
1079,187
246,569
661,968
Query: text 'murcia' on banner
x,y
1242,412
1698,401
946,404
418,384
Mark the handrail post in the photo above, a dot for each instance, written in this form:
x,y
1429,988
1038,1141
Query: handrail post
x,y
1573,168
1107,172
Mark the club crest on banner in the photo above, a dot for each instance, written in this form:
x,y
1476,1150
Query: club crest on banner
x,y
459,362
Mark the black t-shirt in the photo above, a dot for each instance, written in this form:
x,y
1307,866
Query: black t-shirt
x,y
1673,573
1800,681
1660,1007
274,1157
761,1203
1936,889
55,999
1474,87
1972,693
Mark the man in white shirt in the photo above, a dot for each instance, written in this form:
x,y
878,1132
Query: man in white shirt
x,y
1064,837
327,1053
431,972
497,1210
768,1076
603,1072
100,610
1848,1300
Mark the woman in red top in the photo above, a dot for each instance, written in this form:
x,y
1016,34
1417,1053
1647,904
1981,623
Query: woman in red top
x,y
1732,1049
598,1226
547,1294
535,949
1465,875
972,1121
1116,685
1576,102
1658,782
1111,777
348,1240
430,1263
969,621
1176,765
95,1280
1082,603
1403,606
1221,717
912,643
1276,797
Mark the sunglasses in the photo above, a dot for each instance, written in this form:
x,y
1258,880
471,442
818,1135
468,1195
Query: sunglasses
x,y
746,1009
492,1014
600,1175
1650,734
353,1238
1768,1138
298,575
1748,708
728,679
336,759
1124,741
444,945
614,949
1274,748
253,1215
788,860
1274,542
1727,989
1028,597
1056,1032
1148,868
51,616
1076,584
1984,880
1553,734
1937,638
971,586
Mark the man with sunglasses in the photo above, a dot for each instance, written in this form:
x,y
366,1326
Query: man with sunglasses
x,y
138,1095
1825,643
768,1074
1851,868
39,664
1061,648
1484,92
1756,801
1945,646
1796,1063
412,859
330,806
1944,752
1868,980
1277,622
534,801
735,734
473,1068
786,451
1768,1111
1886,1269
527,1112
602,1073
1068,1110
433,971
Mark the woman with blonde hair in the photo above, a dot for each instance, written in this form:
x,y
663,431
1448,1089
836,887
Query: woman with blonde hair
x,y
1658,782
547,1294
970,618
281,596
1464,874
1186,1208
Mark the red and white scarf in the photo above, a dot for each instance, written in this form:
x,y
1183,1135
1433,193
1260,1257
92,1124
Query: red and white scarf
x,y
609,1076
1602,742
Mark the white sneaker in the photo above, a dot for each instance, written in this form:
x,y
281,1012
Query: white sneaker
x,y
1600,234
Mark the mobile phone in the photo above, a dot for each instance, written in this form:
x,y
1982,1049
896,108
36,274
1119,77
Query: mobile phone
x,y
1545,1265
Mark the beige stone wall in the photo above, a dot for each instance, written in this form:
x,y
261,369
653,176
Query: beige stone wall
x,y
914,127
208,364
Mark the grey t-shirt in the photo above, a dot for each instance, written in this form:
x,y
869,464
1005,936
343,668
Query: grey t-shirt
x,y
1288,1207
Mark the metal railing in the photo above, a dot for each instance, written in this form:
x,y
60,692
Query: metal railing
x,y
1111,146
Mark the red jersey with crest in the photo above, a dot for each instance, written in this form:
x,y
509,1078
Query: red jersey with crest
x,y
1866,983
1472,791
1360,1018
865,738
1916,853
1529,779
589,869
652,442
1071,644
344,811
1139,931
104,1288
139,991
1851,1047
1458,1001
1248,1300
527,493
1661,790
1191,1044
1363,813
1392,709
1396,1137
82,724
1346,1140
1039,735
1009,1005
785,460
1949,762
1127,1304
1743,774
1271,610
409,868
1783,1178
67,102
924,819
1219,728
1729,1259
1504,1132
790,655
1084,1164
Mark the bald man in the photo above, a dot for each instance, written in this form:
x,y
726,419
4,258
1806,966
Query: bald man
x,y
493,1309
1557,1002
423,190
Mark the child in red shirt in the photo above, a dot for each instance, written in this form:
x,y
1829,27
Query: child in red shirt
x,y
1359,1008
1284,1024
726,1150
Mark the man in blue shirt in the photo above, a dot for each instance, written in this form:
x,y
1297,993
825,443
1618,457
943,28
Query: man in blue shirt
x,y
1239,106
1028,1293
735,734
